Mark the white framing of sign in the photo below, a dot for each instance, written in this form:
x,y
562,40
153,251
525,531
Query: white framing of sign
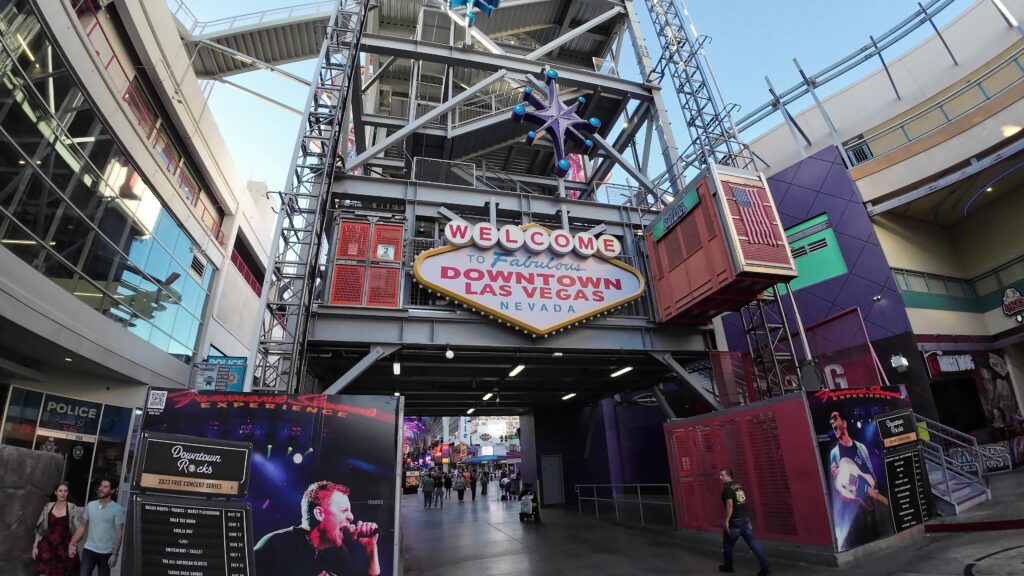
x,y
567,255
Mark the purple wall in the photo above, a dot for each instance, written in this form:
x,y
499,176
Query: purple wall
x,y
820,184
635,439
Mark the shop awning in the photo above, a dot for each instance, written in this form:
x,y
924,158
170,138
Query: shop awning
x,y
482,459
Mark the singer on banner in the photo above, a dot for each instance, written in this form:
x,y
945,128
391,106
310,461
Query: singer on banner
x,y
328,541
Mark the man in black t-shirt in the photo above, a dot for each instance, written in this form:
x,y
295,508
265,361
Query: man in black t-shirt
x,y
327,543
737,524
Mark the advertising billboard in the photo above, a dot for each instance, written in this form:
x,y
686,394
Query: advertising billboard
x,y
537,280
324,473
871,462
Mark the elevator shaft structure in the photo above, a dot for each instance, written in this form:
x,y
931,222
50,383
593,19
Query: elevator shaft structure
x,y
291,281
713,136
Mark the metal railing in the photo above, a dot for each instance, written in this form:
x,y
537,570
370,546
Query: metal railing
x,y
935,454
993,82
868,52
184,15
950,442
645,505
146,118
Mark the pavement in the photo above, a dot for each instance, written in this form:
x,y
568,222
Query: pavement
x,y
485,538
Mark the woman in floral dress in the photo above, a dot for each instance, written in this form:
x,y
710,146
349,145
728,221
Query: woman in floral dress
x,y
57,523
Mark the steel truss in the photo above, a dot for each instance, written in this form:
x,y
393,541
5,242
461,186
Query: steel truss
x,y
771,346
291,280
713,136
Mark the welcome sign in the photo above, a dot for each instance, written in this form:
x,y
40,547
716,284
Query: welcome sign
x,y
528,276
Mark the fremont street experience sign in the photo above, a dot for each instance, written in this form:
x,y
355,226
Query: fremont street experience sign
x,y
537,280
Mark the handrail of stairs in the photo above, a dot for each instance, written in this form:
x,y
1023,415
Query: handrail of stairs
x,y
931,448
952,438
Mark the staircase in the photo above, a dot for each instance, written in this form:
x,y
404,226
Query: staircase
x,y
255,40
957,483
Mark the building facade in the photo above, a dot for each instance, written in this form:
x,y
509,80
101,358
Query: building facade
x,y
130,246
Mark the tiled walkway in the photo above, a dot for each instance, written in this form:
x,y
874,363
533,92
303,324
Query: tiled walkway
x,y
485,538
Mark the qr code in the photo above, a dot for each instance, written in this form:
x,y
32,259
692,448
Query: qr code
x,y
157,399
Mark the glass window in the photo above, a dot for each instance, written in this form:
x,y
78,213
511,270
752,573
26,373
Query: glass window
x,y
192,296
164,315
158,263
81,212
140,107
166,152
22,415
140,327
160,340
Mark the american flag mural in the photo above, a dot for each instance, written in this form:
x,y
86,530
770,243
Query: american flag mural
x,y
754,215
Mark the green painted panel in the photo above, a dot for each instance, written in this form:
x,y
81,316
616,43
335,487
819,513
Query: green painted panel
x,y
675,212
807,224
819,265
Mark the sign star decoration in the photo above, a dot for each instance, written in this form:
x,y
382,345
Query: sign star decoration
x,y
556,120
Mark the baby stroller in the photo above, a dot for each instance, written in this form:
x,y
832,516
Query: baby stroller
x,y
529,508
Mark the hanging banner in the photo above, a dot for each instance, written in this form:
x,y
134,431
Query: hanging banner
x,y
324,468
529,277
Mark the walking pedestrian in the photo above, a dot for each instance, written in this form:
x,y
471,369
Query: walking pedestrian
x,y
439,491
484,482
101,527
448,484
57,522
737,524
428,491
460,486
472,485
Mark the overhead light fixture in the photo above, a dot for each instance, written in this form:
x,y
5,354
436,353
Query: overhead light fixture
x,y
569,395
989,189
556,354
67,359
397,369
621,371
398,393
516,370
488,395
449,354
470,411
24,47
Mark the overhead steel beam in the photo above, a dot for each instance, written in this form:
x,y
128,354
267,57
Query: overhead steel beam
x,y
379,73
667,359
633,171
376,353
261,96
410,48
571,35
627,135
665,408
254,62
358,126
426,118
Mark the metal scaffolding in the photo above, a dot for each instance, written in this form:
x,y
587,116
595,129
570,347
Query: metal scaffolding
x,y
291,280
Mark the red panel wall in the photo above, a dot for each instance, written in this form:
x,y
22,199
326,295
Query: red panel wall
x,y
770,448
690,262
368,269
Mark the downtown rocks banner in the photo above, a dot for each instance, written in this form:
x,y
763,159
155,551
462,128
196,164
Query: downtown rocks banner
x,y
872,463
299,441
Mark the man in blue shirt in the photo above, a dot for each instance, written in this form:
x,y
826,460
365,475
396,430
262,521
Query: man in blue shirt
x,y
102,524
